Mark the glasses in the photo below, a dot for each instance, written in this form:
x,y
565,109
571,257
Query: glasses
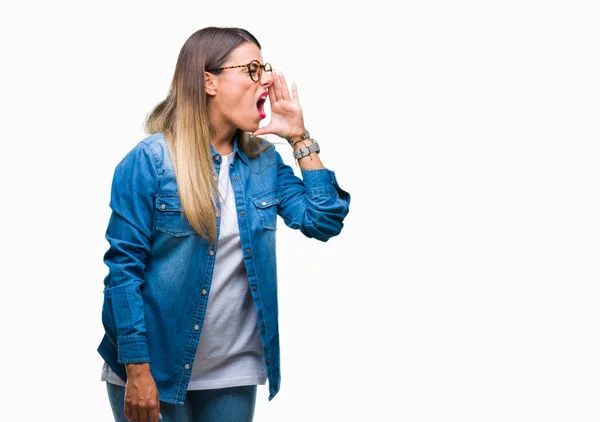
x,y
255,69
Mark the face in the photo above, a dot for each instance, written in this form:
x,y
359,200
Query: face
x,y
235,100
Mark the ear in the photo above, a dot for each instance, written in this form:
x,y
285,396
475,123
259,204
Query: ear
x,y
210,84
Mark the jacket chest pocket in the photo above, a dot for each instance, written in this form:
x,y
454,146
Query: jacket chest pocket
x,y
266,207
170,218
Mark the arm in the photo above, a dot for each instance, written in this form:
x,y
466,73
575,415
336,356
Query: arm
x,y
315,204
135,183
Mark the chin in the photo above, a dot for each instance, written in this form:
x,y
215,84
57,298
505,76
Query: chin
x,y
250,127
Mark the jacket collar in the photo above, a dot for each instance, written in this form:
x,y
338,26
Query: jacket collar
x,y
237,152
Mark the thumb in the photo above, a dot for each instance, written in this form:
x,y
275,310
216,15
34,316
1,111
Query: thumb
x,y
262,131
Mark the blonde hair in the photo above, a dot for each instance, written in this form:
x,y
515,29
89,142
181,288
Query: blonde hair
x,y
183,119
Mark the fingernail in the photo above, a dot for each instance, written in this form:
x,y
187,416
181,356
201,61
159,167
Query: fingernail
x,y
160,416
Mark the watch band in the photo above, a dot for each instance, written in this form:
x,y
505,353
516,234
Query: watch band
x,y
303,152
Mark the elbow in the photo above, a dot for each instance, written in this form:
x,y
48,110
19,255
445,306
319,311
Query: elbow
x,y
327,225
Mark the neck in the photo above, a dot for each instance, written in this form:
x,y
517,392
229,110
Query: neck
x,y
221,136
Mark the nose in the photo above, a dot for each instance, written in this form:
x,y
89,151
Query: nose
x,y
266,79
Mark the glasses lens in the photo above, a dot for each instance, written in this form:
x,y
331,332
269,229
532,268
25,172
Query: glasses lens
x,y
255,70
268,68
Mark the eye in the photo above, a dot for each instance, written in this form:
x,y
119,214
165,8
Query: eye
x,y
254,68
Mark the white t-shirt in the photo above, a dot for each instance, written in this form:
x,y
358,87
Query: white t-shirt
x,y
230,352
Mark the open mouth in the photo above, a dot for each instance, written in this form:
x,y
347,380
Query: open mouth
x,y
260,106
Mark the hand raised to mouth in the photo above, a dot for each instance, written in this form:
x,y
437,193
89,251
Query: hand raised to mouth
x,y
287,120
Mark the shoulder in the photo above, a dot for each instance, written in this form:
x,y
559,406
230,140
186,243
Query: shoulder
x,y
155,145
152,150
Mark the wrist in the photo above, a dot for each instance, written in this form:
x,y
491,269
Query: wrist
x,y
296,137
306,150
302,143
137,369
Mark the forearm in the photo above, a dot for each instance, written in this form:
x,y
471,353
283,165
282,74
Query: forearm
x,y
312,202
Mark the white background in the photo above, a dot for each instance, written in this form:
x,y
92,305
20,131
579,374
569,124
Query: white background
x,y
464,286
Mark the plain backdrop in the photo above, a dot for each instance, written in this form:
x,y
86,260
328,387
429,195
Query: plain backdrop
x,y
465,283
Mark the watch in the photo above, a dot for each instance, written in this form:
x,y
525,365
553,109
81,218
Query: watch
x,y
303,152
304,137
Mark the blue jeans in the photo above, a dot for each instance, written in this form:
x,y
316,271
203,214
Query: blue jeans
x,y
234,404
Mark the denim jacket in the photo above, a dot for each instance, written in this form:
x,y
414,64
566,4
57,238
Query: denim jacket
x,y
160,269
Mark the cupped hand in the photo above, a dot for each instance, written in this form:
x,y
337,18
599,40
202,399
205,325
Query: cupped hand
x,y
141,395
286,114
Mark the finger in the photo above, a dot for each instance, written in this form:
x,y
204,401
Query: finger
x,y
295,97
154,415
154,411
127,411
272,97
277,88
143,413
135,414
284,87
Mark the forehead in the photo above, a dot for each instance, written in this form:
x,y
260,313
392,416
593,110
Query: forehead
x,y
243,54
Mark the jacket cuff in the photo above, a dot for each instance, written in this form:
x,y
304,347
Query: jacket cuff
x,y
132,349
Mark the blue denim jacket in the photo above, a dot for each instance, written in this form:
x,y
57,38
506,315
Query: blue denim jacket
x,y
160,269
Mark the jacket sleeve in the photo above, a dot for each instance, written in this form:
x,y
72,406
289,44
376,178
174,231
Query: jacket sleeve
x,y
315,204
134,185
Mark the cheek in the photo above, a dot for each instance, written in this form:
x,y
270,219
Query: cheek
x,y
238,101
242,100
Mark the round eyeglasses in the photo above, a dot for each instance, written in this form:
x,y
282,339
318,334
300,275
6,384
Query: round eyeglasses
x,y
255,69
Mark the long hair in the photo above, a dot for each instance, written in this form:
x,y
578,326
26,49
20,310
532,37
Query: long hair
x,y
183,119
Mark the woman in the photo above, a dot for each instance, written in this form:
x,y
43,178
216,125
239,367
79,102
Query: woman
x,y
190,300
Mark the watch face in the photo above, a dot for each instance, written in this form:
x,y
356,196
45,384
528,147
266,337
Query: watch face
x,y
306,135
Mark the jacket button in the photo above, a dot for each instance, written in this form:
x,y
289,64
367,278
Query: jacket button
x,y
235,178
211,252
243,213
248,251
255,289
263,203
196,327
163,206
203,291
262,323
268,362
217,157
187,366
217,214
